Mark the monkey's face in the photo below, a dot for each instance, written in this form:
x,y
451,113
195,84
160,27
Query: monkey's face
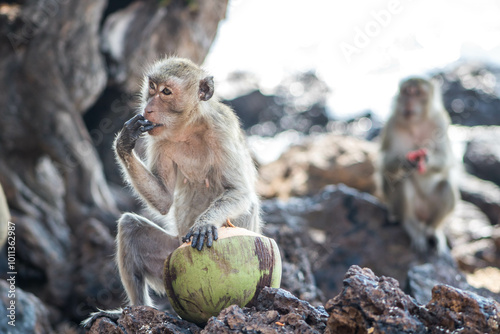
x,y
166,105
413,100
172,93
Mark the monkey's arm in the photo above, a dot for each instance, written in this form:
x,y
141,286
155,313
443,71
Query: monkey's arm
x,y
419,159
232,202
238,176
145,183
394,163
439,153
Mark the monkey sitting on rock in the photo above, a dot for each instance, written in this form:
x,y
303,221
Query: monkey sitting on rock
x,y
197,174
417,163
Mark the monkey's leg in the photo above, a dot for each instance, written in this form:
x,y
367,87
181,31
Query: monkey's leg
x,y
142,249
441,202
415,228
393,192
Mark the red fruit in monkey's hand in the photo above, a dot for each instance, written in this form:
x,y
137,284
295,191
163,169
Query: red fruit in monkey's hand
x,y
418,158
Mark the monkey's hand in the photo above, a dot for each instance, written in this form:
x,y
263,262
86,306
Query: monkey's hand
x,y
131,131
199,232
418,158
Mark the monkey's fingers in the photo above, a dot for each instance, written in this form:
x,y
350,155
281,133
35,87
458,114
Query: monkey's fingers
x,y
413,156
215,232
417,154
133,128
210,237
421,167
410,163
187,237
143,121
145,125
201,238
134,120
196,239
425,156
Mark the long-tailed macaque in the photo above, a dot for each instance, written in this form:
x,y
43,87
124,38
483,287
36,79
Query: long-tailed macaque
x,y
197,174
417,161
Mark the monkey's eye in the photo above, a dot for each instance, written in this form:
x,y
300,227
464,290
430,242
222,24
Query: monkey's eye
x,y
166,91
151,85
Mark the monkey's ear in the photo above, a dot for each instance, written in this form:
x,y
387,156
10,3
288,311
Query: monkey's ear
x,y
206,88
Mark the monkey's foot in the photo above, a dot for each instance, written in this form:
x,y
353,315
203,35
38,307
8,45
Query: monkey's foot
x,y
114,315
420,244
229,224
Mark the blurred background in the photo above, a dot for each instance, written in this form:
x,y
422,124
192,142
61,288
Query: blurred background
x,y
359,50
353,47
313,84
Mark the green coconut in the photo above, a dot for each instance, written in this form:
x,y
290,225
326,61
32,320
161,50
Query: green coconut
x,y
234,270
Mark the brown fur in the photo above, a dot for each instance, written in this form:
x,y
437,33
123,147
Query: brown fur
x,y
420,201
197,173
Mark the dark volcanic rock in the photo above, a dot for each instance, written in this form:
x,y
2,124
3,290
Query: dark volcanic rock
x,y
472,238
482,155
471,94
286,303
254,108
460,311
348,227
236,320
28,314
483,194
423,278
277,311
371,304
366,304
297,276
340,227
142,320
298,104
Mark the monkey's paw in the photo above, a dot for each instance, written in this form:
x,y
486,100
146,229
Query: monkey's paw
x,y
416,155
199,233
418,159
131,131
114,315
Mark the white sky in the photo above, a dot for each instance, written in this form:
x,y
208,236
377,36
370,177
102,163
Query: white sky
x,y
273,38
